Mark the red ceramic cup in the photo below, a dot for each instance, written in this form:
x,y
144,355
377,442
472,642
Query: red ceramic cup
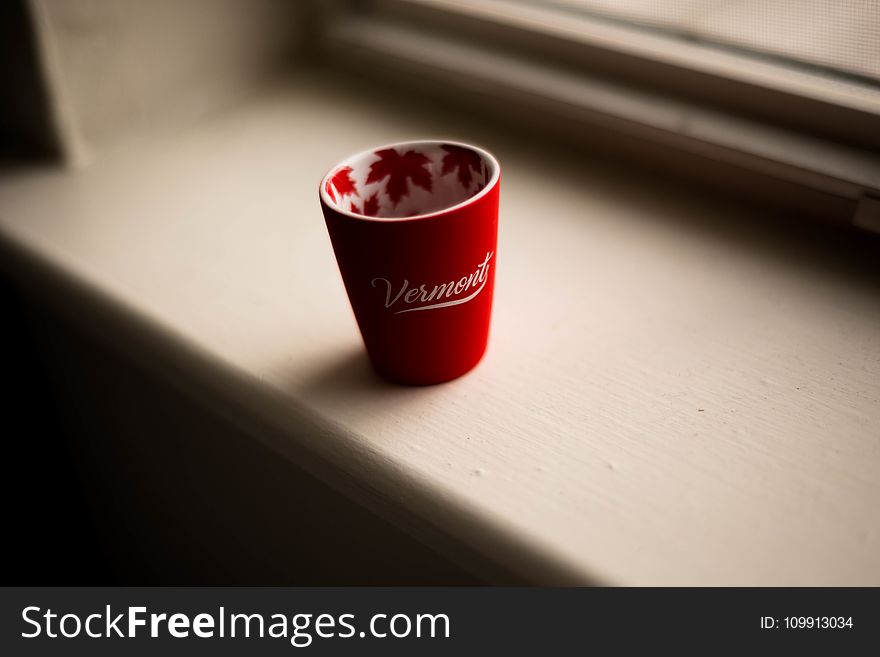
x,y
414,228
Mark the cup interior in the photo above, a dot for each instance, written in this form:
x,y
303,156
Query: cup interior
x,y
408,180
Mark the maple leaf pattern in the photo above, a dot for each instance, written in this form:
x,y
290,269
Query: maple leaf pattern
x,y
399,182
371,205
398,169
465,160
342,183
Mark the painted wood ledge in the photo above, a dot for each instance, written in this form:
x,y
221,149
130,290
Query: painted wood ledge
x,y
676,391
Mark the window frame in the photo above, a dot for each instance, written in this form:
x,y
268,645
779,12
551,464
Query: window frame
x,y
829,146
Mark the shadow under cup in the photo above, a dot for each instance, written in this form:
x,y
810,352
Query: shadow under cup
x,y
414,227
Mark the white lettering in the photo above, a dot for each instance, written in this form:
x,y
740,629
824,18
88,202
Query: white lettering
x,y
178,625
113,626
89,625
406,295
388,300
24,616
134,621
76,623
155,619
203,625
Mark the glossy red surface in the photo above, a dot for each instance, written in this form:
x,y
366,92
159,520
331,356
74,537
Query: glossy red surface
x,y
421,287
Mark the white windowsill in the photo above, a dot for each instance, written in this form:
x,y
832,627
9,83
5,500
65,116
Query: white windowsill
x,y
671,394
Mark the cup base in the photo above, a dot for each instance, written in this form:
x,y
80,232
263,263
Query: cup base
x,y
425,379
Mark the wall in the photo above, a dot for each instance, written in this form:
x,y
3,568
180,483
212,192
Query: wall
x,y
116,68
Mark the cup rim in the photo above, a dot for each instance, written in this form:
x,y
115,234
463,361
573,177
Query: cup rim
x,y
493,180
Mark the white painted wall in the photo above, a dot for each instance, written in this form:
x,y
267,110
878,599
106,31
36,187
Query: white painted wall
x,y
117,68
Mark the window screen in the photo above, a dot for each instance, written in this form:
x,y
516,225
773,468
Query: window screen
x,y
840,36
